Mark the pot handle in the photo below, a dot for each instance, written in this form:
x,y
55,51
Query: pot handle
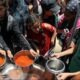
x,y
11,60
48,53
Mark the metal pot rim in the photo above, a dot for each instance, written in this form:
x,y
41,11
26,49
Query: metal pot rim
x,y
56,71
37,66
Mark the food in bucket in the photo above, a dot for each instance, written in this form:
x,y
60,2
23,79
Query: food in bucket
x,y
2,60
23,59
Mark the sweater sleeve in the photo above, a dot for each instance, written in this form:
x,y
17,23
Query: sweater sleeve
x,y
48,27
3,44
20,39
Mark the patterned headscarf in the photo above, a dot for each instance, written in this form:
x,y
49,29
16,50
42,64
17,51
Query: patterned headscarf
x,y
72,5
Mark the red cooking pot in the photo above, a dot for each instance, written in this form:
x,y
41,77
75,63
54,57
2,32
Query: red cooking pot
x,y
23,58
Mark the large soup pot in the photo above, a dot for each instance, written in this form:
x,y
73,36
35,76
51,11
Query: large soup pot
x,y
2,61
13,72
7,68
55,66
23,58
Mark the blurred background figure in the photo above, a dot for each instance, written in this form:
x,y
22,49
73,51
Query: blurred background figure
x,y
50,11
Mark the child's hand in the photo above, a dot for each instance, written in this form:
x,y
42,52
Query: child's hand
x,y
9,54
3,52
63,76
33,53
56,55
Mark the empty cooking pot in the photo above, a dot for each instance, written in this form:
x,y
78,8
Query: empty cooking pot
x,y
55,66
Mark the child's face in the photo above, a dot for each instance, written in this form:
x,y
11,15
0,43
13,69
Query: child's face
x,y
36,27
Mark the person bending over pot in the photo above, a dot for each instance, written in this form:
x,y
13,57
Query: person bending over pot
x,y
74,50
9,31
41,35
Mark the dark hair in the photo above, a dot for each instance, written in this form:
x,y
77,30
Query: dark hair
x,y
4,3
33,18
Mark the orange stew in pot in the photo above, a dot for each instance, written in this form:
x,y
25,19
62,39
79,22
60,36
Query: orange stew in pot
x,y
2,60
23,59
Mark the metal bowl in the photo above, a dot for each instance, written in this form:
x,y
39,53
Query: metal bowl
x,y
55,66
8,67
13,72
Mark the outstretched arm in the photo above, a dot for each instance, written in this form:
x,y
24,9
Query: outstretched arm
x,y
64,76
21,40
4,48
68,51
51,29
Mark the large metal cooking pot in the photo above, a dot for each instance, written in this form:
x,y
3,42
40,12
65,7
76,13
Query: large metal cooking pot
x,y
28,59
39,63
55,66
13,72
38,67
8,67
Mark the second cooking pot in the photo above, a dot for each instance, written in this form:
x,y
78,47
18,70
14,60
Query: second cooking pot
x,y
55,66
